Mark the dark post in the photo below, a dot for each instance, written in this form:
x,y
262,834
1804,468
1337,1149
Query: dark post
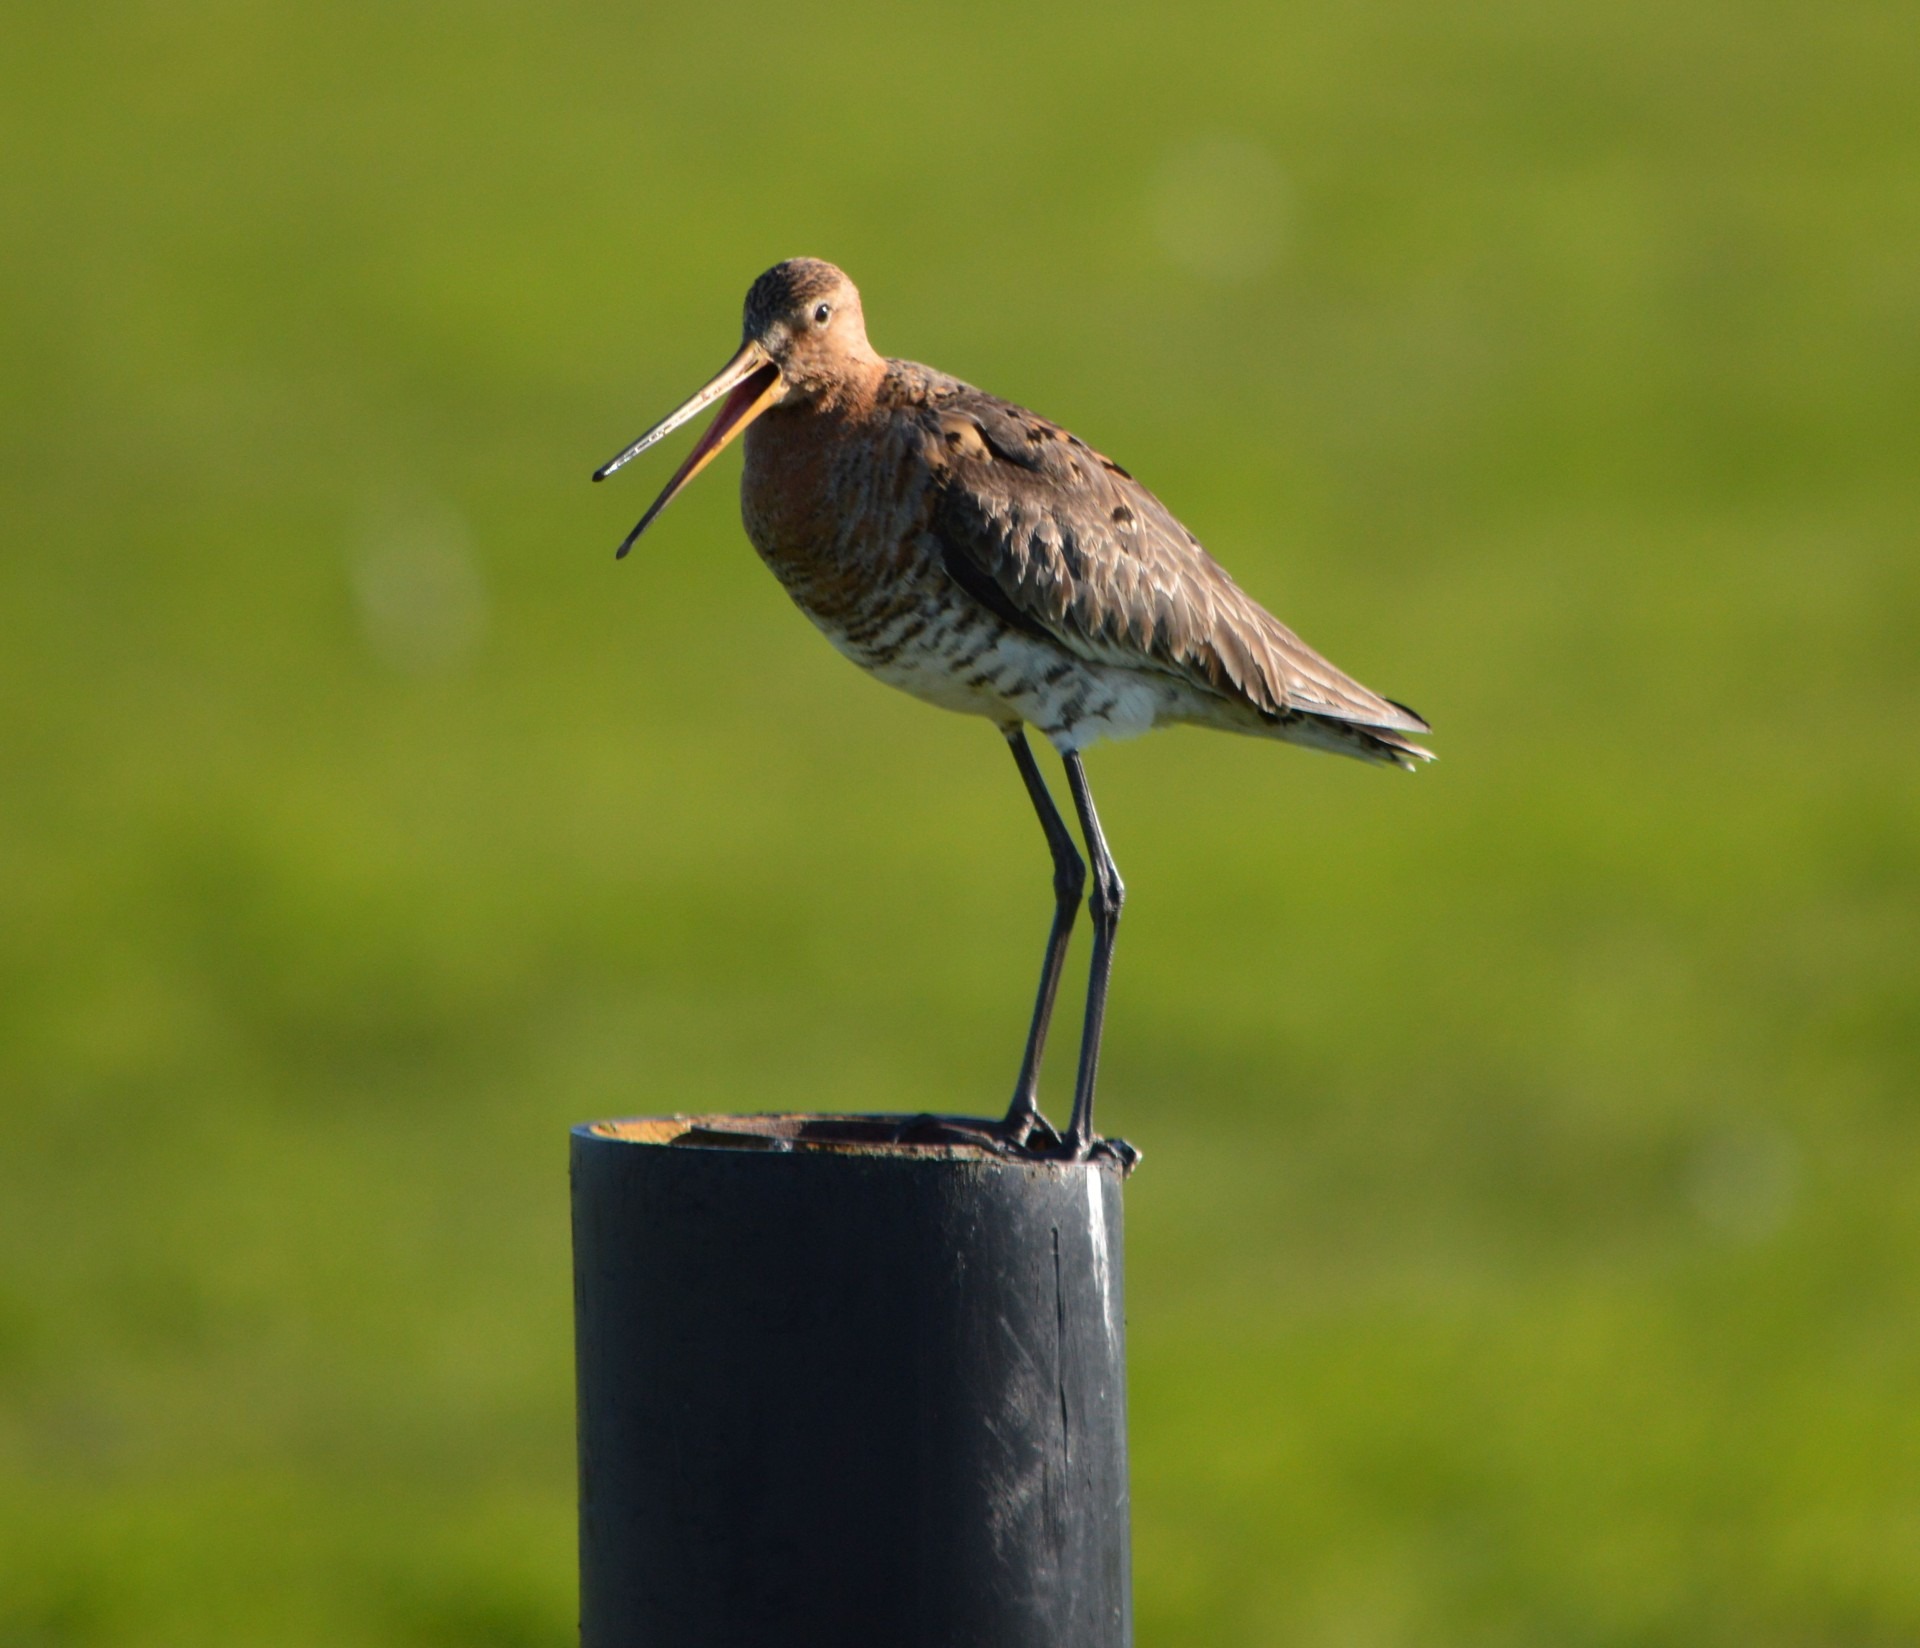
x,y
837,1390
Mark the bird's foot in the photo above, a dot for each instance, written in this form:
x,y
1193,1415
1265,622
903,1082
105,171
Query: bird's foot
x,y
1022,1136
1032,1135
1072,1148
1029,1132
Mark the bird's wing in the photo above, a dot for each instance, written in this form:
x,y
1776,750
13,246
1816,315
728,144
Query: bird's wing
x,y
1063,542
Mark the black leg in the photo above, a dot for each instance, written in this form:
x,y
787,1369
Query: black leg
x,y
1069,880
1104,907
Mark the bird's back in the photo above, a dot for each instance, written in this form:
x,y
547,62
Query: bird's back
x,y
939,512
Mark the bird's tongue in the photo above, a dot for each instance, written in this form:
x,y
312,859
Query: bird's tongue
x,y
734,410
745,401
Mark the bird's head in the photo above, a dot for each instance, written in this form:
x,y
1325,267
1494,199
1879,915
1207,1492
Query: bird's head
x,y
806,316
803,343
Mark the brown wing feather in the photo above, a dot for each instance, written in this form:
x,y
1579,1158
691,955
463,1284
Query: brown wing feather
x,y
1058,539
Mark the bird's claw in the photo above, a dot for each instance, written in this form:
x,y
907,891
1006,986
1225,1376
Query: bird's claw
x,y
1029,1137
1029,1132
1115,1150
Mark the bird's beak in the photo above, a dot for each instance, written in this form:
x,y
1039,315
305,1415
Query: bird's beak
x,y
751,383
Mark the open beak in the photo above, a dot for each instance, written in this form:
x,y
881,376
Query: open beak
x,y
750,382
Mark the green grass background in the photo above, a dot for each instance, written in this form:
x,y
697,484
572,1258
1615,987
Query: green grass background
x,y
1527,1249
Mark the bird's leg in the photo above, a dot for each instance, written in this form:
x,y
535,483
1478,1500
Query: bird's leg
x,y
1069,881
1109,893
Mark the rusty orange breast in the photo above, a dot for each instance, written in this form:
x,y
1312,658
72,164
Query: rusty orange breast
x,y
836,505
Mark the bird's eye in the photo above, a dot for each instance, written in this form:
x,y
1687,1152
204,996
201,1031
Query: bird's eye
x,y
823,314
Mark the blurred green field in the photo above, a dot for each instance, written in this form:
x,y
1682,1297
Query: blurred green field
x,y
1527,1249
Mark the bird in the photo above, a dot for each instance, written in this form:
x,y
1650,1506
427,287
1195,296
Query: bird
x,y
987,561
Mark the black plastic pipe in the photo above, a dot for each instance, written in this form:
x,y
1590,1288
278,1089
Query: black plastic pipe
x,y
836,1390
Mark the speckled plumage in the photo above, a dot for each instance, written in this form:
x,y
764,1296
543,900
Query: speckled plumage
x,y
982,558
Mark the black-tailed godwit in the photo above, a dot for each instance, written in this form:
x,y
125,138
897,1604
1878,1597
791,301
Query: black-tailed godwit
x,y
966,551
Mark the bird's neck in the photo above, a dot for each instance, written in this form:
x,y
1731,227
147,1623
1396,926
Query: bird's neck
x,y
790,448
853,389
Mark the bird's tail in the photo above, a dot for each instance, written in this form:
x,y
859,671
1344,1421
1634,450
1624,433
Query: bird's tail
x,y
1381,744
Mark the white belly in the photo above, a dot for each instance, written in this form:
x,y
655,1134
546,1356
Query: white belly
x,y
1008,678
